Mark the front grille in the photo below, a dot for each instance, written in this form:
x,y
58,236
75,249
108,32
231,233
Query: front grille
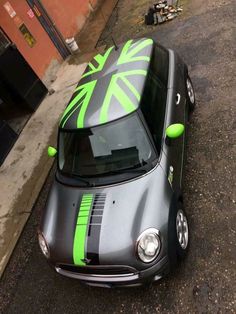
x,y
99,270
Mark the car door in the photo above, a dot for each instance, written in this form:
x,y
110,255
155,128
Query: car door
x,y
176,103
163,104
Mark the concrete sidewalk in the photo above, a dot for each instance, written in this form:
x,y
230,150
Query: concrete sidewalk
x,y
25,169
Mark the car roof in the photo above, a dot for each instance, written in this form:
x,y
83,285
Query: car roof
x,y
111,86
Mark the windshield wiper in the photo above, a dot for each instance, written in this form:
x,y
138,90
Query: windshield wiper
x,y
81,179
130,170
135,169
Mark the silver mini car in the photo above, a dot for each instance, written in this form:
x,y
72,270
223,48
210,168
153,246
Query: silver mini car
x,y
114,215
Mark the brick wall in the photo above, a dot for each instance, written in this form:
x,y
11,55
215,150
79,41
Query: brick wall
x,y
69,15
40,56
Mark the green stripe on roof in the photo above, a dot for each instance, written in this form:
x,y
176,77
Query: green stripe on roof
x,y
130,51
76,112
131,87
115,90
101,60
85,92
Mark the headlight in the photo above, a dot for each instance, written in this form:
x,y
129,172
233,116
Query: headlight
x,y
43,245
148,245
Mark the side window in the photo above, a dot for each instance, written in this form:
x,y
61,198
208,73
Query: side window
x,y
153,104
160,63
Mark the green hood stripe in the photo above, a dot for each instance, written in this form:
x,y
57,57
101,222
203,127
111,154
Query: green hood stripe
x,y
79,253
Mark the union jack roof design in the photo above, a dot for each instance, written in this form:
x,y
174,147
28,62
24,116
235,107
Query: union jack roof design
x,y
111,86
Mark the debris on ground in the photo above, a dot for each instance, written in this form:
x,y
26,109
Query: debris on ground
x,y
51,91
161,12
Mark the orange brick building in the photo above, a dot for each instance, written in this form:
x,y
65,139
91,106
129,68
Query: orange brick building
x,y
39,28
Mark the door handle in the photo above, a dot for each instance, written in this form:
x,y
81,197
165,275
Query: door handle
x,y
177,100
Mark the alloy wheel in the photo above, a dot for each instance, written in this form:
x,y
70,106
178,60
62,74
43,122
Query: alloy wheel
x,y
182,229
190,91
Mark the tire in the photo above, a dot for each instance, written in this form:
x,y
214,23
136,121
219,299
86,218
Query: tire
x,y
182,247
178,223
191,99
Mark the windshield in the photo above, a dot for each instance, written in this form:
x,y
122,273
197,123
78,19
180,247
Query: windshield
x,y
105,150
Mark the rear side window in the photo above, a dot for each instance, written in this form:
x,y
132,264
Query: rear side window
x,y
160,63
153,104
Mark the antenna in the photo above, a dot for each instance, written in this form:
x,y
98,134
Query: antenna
x,y
113,40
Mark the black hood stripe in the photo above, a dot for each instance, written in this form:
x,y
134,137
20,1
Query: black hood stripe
x,y
94,229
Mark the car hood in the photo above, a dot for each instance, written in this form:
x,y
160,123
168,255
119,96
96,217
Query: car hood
x,y
100,226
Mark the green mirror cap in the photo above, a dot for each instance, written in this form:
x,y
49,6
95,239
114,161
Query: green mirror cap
x,y
175,130
52,151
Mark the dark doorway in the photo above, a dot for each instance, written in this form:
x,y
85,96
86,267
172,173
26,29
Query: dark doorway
x,y
21,92
7,135
49,27
12,110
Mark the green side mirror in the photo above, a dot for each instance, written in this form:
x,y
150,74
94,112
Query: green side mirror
x,y
175,130
52,151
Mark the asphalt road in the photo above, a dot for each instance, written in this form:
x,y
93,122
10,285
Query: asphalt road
x,y
206,281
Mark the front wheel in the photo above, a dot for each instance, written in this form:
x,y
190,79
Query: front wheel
x,y
190,94
178,235
182,233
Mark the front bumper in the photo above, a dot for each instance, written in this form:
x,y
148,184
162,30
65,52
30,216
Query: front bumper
x,y
136,278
